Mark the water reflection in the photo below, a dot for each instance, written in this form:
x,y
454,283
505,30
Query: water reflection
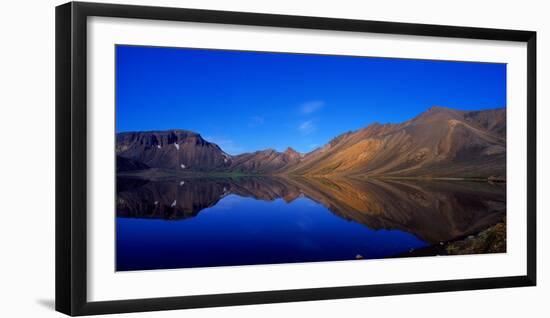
x,y
434,211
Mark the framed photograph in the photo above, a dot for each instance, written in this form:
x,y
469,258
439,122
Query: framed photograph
x,y
209,158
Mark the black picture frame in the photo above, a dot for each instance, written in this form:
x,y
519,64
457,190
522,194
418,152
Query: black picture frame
x,y
71,157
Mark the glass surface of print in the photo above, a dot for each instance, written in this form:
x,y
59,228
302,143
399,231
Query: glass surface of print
x,y
243,158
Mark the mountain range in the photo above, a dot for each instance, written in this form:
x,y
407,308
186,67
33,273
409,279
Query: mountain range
x,y
440,142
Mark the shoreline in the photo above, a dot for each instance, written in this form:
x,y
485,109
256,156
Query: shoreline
x,y
156,174
490,240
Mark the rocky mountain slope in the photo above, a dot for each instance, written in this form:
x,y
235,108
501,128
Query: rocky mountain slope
x,y
266,161
172,149
440,142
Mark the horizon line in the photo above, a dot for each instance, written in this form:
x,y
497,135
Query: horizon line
x,y
316,148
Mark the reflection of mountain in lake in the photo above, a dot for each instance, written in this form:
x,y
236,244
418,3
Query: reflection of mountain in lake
x,y
432,210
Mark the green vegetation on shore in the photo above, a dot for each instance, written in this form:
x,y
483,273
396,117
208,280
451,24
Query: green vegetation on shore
x,y
160,174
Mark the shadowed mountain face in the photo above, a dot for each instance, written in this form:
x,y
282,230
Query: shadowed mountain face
x,y
433,211
440,142
175,149
125,164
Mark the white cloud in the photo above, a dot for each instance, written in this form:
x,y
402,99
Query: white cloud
x,y
307,127
256,121
311,107
227,144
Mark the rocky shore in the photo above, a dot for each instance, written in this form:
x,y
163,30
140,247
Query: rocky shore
x,y
491,240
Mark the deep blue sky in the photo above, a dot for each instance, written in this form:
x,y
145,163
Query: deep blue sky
x,y
247,101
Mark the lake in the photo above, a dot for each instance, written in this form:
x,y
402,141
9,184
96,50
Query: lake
x,y
223,221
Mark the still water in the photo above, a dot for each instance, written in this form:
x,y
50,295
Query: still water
x,y
203,222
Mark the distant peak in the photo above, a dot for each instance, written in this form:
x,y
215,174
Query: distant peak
x,y
375,125
437,108
289,150
267,150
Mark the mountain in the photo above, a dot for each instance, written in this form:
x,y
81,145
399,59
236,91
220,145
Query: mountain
x,y
172,149
440,142
493,120
266,161
184,150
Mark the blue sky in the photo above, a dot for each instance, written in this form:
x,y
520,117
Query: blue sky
x,y
248,101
